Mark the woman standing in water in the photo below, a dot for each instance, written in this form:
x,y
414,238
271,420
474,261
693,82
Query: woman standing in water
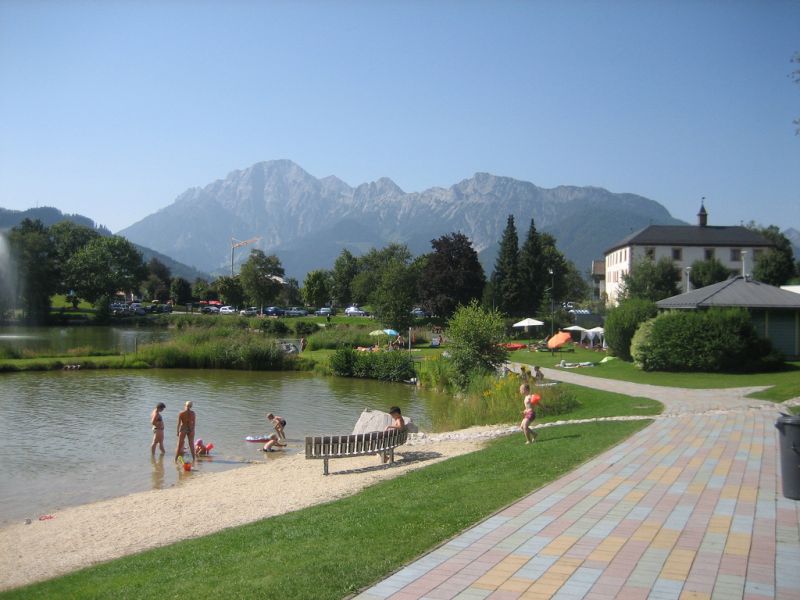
x,y
186,422
157,421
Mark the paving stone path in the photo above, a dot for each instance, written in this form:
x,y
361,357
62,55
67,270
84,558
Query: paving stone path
x,y
690,507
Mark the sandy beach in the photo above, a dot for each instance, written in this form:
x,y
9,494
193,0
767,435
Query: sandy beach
x,y
84,535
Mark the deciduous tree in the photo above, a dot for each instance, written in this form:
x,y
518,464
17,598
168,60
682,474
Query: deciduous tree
x,y
317,288
35,259
344,271
260,277
708,272
474,341
451,275
103,267
651,280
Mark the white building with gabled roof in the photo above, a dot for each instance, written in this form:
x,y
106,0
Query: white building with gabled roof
x,y
735,247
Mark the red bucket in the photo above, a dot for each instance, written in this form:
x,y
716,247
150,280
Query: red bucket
x,y
187,466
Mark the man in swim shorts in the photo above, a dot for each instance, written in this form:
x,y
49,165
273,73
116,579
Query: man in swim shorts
x,y
186,423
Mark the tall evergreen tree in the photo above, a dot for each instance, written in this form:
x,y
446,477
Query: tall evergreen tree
x,y
533,274
505,278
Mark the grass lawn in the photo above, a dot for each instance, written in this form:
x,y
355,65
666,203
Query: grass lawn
x,y
60,300
335,549
786,383
598,403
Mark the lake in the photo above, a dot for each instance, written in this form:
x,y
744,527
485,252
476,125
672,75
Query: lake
x,y
70,437
59,340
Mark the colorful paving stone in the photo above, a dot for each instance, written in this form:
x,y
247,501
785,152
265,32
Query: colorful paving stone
x,y
689,508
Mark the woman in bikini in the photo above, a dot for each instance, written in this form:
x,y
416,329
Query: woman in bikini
x,y
157,421
186,422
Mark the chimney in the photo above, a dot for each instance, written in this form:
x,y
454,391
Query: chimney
x,y
702,216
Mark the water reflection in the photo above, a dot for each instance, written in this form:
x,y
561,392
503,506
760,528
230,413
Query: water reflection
x,y
97,424
158,471
60,340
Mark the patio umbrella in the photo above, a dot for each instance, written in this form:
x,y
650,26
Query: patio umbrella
x,y
378,332
559,339
528,323
390,332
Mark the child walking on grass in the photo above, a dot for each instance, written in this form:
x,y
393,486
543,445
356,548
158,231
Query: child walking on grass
x,y
529,413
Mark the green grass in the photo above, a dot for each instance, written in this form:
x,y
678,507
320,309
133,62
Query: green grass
x,y
335,549
786,383
59,300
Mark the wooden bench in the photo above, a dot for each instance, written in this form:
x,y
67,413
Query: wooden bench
x,y
361,444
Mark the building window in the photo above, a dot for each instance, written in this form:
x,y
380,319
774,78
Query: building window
x,y
650,253
736,254
677,254
709,254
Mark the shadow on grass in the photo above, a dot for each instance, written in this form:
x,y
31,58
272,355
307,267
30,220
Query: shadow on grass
x,y
407,458
542,440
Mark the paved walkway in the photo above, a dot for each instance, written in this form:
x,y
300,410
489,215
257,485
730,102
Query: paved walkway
x,y
690,507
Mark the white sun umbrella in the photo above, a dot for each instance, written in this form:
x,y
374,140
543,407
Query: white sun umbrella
x,y
528,323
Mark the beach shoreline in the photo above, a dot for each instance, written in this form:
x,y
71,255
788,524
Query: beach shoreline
x,y
80,536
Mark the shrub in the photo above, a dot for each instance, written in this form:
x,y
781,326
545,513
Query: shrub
x,y
274,327
217,349
306,328
474,337
436,373
385,366
622,322
710,341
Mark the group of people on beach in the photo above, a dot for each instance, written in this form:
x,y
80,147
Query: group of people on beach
x,y
185,431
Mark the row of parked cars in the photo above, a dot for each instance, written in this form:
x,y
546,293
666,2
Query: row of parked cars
x,y
254,311
294,311
123,309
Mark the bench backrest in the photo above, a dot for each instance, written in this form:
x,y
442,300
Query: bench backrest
x,y
354,445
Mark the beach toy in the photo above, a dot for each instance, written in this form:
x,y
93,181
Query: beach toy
x,y
180,460
210,447
187,466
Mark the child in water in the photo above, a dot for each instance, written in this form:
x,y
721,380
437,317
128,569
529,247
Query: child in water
x,y
201,449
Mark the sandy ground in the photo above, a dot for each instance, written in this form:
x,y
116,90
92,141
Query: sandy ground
x,y
85,535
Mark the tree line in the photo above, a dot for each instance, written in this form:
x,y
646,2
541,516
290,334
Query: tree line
x,y
81,263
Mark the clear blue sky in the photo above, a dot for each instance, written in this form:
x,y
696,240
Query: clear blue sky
x,y
112,109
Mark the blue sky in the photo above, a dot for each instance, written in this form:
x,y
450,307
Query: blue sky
x,y
112,109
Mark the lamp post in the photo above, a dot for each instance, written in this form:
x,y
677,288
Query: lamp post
x,y
552,300
688,279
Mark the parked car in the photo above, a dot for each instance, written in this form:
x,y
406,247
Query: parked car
x,y
227,310
138,311
249,312
274,311
325,312
295,311
354,311
210,310
419,313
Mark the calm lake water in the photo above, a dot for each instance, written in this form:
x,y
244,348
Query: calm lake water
x,y
70,437
58,340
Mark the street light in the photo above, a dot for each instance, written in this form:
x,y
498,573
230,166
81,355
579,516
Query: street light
x,y
552,300
688,279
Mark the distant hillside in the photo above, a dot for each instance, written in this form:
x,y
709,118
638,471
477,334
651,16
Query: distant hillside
x,y
50,216
307,221
794,237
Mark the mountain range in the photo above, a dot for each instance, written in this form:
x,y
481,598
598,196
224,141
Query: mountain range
x,y
308,221
50,216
